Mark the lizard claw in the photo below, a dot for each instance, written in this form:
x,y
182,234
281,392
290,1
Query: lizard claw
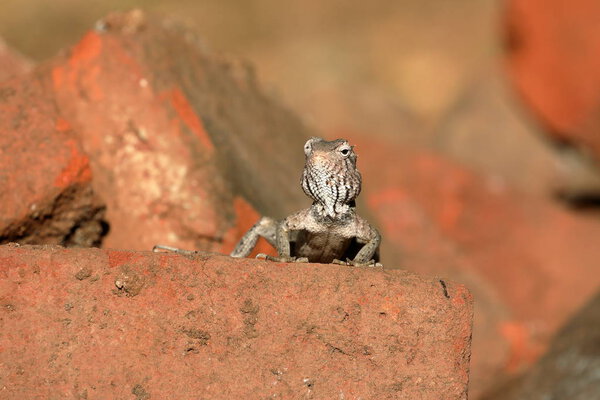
x,y
281,259
352,263
339,262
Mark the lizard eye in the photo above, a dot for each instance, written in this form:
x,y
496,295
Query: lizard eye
x,y
307,148
345,151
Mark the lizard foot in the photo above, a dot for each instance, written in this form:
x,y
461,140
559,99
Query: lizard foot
x,y
352,263
159,248
282,259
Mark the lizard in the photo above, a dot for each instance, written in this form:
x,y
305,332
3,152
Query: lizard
x,y
330,230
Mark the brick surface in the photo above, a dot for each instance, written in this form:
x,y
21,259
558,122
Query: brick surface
x,y
45,177
553,57
118,324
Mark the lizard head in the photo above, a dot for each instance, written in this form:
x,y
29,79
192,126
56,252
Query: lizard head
x,y
330,175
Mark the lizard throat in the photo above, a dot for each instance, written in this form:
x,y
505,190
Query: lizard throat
x,y
332,187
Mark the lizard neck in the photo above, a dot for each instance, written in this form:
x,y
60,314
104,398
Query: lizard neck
x,y
336,212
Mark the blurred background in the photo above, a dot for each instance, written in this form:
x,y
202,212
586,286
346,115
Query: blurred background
x,y
409,60
493,108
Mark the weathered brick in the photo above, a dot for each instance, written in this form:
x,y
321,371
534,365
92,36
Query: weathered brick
x,y
183,145
45,178
176,135
214,327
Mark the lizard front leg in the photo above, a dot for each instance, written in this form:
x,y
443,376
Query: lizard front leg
x,y
265,227
282,244
365,256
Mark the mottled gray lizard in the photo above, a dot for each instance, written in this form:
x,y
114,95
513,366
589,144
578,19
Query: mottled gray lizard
x,y
329,231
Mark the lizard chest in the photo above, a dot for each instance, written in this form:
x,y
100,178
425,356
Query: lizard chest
x,y
321,247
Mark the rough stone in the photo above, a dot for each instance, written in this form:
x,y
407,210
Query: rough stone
x,y
253,328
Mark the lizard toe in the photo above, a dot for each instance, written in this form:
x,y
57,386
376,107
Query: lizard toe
x,y
370,263
339,262
278,259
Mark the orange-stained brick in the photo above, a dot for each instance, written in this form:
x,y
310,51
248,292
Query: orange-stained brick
x,y
188,115
77,170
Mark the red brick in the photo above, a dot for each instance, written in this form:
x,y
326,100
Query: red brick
x,y
144,165
106,324
45,177
554,60
175,134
